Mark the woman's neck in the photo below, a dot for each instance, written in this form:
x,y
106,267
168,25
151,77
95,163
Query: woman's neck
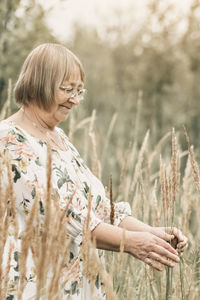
x,y
39,117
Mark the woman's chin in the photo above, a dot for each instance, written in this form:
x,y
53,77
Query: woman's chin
x,y
62,116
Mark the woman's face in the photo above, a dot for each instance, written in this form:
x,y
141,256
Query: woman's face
x,y
64,104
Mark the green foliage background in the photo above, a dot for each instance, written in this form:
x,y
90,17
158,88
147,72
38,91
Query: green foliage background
x,y
127,62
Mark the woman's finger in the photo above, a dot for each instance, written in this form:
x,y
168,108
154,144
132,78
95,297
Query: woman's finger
x,y
161,259
182,246
166,246
154,264
166,253
177,233
164,235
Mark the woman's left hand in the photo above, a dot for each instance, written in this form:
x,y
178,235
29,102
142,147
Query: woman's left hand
x,y
172,235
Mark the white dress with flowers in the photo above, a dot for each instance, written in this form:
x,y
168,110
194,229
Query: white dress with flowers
x,y
69,173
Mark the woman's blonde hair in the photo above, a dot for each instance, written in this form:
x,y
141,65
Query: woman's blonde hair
x,y
43,71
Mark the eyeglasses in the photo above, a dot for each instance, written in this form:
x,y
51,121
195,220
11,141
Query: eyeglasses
x,y
72,93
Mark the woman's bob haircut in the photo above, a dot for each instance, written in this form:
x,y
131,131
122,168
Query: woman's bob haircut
x,y
43,71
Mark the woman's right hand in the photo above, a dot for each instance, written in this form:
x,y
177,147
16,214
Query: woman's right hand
x,y
150,249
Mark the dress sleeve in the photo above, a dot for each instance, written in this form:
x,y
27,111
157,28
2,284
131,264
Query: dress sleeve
x,y
101,205
121,210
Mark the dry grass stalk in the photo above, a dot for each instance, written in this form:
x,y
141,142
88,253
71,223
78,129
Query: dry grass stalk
x,y
155,210
44,247
139,163
25,246
158,146
194,165
64,254
8,216
164,189
175,173
123,174
6,274
71,126
86,244
79,126
136,200
112,208
121,252
188,199
12,201
4,235
96,166
92,265
3,200
33,238
106,141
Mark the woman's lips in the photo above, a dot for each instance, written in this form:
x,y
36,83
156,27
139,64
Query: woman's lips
x,y
64,106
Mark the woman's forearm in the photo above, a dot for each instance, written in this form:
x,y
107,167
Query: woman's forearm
x,y
108,237
169,234
142,245
133,224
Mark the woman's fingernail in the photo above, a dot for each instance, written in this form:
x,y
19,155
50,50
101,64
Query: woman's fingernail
x,y
172,265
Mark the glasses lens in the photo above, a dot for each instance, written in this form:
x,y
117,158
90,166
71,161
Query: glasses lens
x,y
71,93
81,94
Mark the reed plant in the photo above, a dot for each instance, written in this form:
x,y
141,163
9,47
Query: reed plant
x,y
162,191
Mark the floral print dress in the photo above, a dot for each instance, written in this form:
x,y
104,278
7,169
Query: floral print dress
x,y
69,171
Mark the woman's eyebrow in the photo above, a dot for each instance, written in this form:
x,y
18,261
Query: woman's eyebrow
x,y
73,84
79,84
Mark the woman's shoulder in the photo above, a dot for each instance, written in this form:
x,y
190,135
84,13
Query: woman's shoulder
x,y
61,131
9,135
5,128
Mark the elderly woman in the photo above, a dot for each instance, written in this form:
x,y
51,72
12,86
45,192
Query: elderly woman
x,y
50,84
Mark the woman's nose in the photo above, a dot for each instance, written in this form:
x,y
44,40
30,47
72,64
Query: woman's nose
x,y
74,100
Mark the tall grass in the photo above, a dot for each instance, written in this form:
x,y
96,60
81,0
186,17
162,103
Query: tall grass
x,y
162,191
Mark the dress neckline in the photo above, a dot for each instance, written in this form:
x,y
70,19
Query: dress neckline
x,y
39,140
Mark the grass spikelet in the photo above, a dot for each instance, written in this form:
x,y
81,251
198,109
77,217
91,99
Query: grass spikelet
x,y
175,174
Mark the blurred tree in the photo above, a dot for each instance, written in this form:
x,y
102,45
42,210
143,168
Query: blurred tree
x,y
22,28
160,58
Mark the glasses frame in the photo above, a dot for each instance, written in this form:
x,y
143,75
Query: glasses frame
x,y
73,92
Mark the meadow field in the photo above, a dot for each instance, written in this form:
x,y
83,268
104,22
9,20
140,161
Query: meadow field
x,y
138,130
162,185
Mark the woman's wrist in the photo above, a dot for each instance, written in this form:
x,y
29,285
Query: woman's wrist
x,y
132,224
